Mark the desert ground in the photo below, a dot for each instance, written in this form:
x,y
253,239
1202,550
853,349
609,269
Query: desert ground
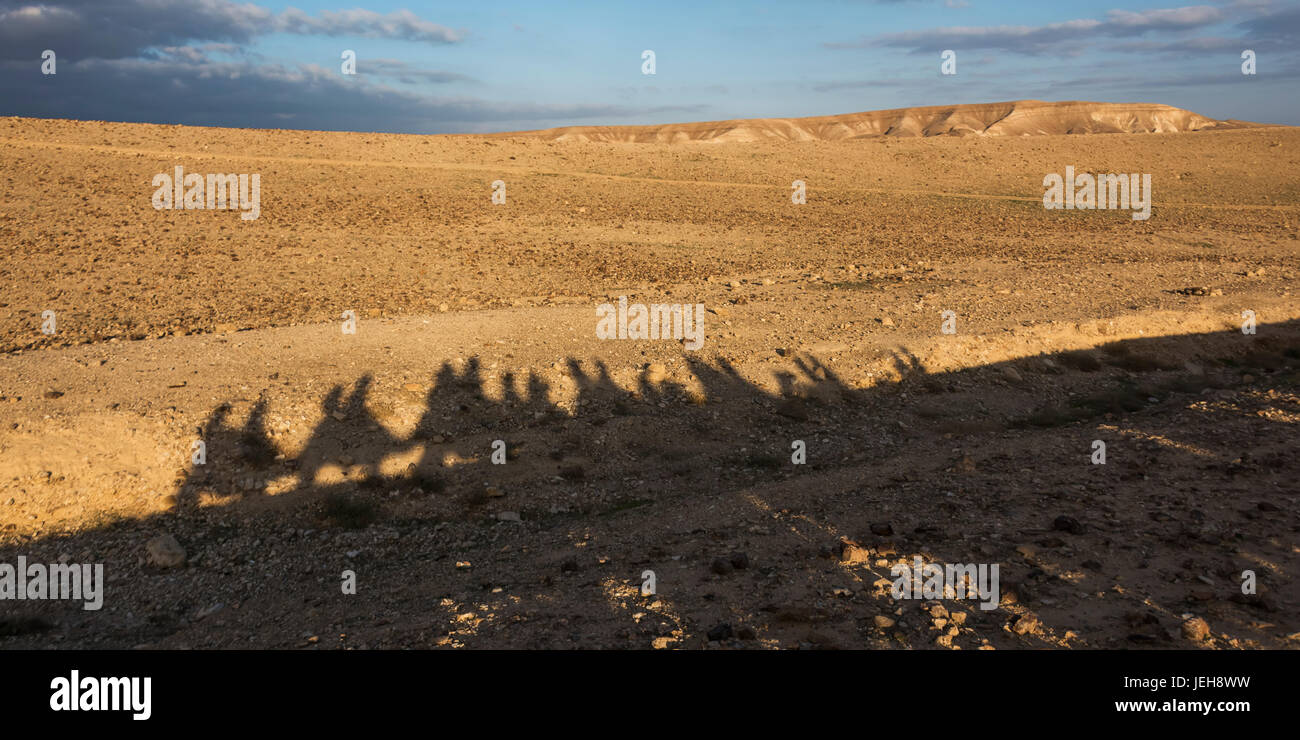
x,y
371,452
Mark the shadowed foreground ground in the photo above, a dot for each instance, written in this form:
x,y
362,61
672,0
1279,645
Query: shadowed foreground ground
x,y
1199,485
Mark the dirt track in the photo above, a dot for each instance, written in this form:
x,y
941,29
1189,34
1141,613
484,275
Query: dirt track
x,y
370,452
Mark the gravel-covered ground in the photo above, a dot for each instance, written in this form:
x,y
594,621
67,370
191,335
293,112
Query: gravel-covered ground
x,y
372,452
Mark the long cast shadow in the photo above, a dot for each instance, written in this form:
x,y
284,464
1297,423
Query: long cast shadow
x,y
698,428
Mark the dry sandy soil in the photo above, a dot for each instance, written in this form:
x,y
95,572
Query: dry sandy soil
x,y
371,451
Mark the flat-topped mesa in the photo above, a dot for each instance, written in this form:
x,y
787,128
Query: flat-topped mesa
x,y
1015,118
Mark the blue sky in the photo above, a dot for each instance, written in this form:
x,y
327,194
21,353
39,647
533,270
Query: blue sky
x,y
499,66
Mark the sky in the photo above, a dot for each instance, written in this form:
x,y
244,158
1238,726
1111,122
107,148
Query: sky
x,y
469,67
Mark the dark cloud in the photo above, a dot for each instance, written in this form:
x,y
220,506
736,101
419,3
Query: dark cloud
x,y
152,61
123,29
1271,30
1195,45
1274,30
399,71
246,95
1047,38
401,25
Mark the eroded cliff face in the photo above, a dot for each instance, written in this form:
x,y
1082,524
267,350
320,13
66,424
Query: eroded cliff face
x,y
1016,118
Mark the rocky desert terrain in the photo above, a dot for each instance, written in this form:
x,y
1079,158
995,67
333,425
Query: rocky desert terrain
x,y
372,452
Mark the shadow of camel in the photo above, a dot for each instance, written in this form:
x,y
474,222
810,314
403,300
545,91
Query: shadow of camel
x,y
666,473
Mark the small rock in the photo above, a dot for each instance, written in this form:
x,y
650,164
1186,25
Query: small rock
x,y
1257,600
740,560
721,566
1067,524
1025,624
852,553
656,372
883,622
1196,629
721,632
165,552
